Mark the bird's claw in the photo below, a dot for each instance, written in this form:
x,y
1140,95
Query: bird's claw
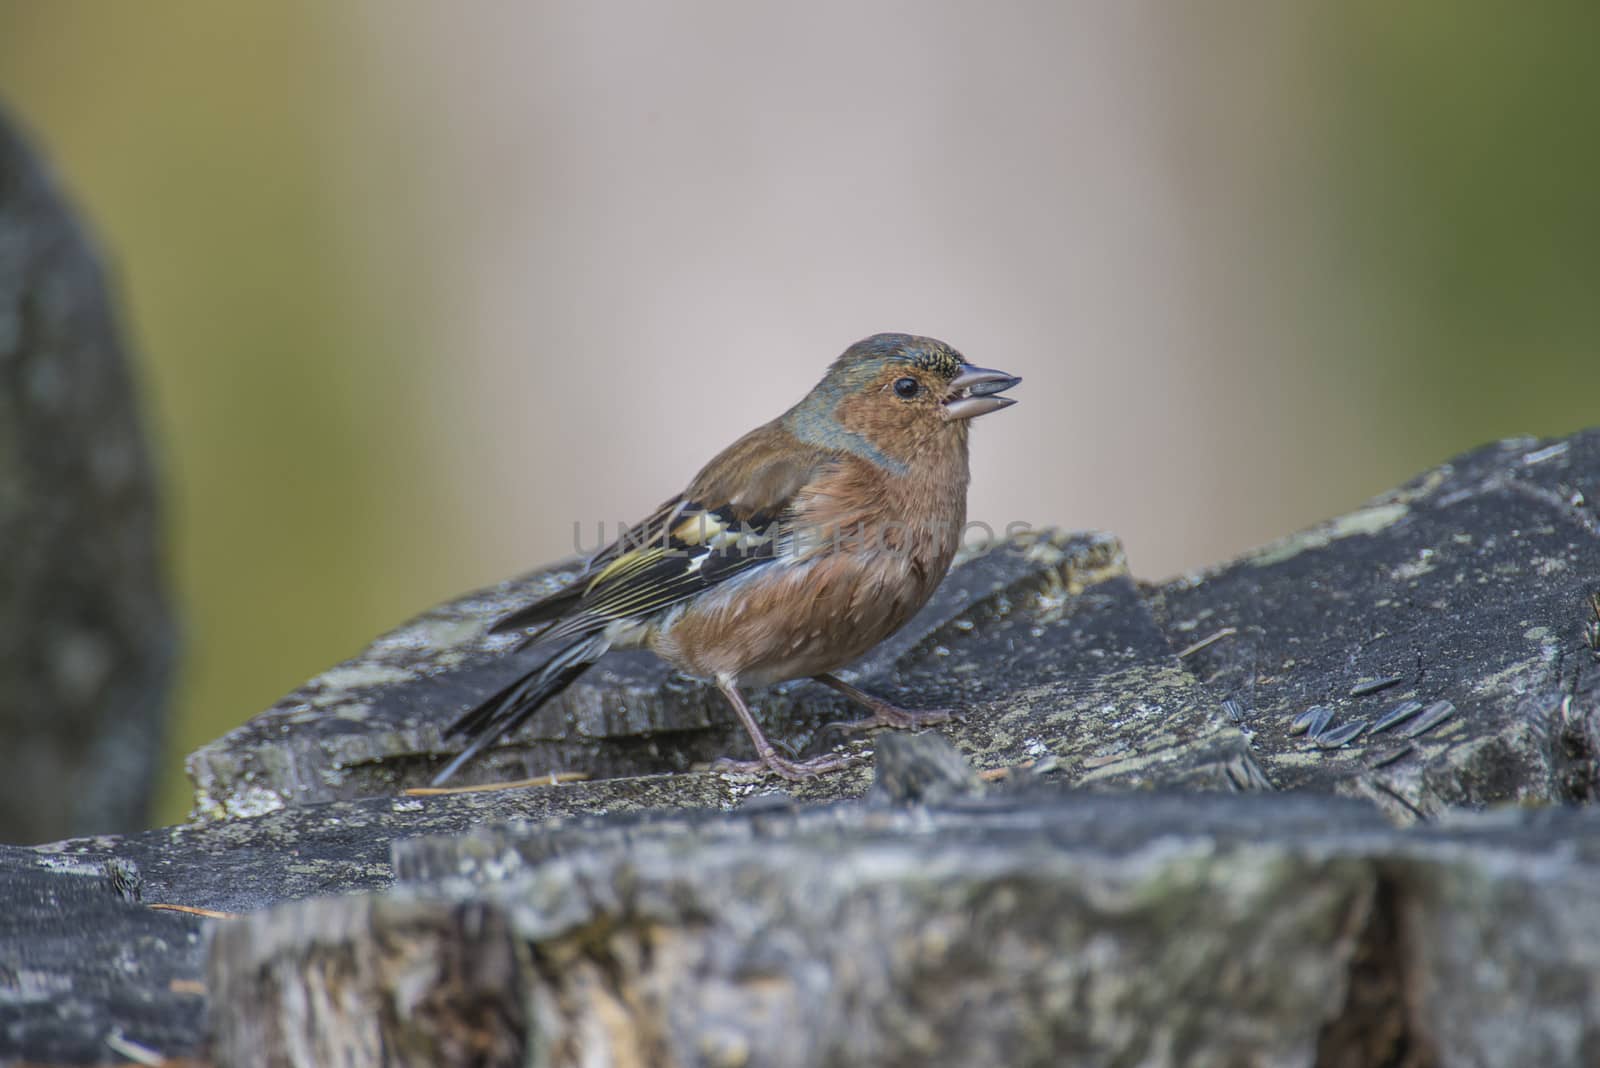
x,y
887,715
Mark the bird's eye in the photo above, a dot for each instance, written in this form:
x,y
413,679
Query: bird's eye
x,y
907,387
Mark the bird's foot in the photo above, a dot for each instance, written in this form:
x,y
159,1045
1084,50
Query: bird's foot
x,y
886,715
793,770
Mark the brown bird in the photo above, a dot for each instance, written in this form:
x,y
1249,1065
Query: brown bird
x,y
793,552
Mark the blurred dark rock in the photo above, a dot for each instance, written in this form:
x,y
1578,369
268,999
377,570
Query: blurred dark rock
x,y
86,641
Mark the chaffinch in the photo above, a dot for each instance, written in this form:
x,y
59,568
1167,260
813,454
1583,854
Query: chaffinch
x,y
793,552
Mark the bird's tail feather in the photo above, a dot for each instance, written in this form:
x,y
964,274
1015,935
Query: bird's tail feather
x,y
543,610
507,709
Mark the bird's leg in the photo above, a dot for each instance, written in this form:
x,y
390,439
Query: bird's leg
x,y
883,713
793,770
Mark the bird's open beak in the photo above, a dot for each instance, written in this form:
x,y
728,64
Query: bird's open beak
x,y
975,391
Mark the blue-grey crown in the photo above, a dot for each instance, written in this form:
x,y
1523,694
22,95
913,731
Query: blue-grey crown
x,y
927,353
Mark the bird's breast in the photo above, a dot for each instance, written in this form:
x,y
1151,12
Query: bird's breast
x,y
791,620
861,551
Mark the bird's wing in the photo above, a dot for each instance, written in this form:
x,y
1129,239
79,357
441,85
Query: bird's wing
x,y
564,602
729,521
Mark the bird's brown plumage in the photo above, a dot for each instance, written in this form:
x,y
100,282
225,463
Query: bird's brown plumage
x,y
794,551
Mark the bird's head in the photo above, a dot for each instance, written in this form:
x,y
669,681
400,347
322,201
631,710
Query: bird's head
x,y
900,393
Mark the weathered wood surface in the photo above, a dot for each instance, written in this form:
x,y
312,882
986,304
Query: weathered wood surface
x,y
371,725
1458,940
1465,593
85,966
1028,927
1473,584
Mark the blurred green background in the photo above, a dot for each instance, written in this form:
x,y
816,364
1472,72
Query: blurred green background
x,y
418,286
